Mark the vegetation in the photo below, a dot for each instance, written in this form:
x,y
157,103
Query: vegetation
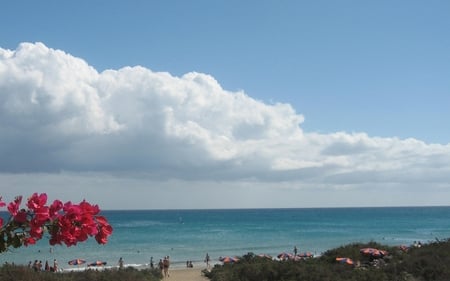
x,y
22,273
429,262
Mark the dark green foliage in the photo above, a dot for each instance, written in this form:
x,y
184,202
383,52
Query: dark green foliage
x,y
16,273
429,262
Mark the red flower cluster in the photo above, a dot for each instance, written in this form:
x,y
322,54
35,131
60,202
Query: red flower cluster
x,y
66,223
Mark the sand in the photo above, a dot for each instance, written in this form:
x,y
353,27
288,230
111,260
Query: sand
x,y
186,274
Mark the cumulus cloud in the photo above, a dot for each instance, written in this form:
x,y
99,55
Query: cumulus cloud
x,y
57,113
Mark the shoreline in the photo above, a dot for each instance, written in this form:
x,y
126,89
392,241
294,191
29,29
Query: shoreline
x,y
173,267
175,273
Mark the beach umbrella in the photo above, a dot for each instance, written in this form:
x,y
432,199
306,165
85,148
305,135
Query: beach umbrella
x,y
285,256
97,263
229,259
373,252
305,255
76,262
265,256
345,260
404,248
296,258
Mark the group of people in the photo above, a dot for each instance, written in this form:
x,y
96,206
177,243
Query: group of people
x,y
38,266
164,265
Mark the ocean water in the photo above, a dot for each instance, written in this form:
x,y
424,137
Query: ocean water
x,y
190,234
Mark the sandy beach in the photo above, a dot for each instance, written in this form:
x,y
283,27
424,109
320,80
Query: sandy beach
x,y
186,274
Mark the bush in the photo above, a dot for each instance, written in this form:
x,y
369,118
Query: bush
x,y
429,262
22,273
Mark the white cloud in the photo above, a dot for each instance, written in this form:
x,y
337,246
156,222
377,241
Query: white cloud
x,y
57,113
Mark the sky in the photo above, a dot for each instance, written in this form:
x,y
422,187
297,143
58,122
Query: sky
x,y
226,104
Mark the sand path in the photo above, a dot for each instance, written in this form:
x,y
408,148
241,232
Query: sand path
x,y
188,274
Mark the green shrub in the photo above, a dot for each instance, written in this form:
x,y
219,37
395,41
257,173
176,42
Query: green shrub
x,y
429,262
21,273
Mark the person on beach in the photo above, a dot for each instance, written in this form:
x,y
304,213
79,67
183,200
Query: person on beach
x,y
120,263
207,259
295,250
161,266
151,262
166,265
55,265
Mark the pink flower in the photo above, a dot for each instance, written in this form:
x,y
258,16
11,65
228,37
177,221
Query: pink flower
x,y
36,229
29,241
13,207
55,207
36,201
21,216
66,223
41,214
102,236
88,208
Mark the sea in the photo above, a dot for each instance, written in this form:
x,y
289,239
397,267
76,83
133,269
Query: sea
x,y
144,236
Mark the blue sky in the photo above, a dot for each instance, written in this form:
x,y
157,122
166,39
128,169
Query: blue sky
x,y
380,67
364,75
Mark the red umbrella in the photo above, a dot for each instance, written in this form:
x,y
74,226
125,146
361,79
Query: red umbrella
x,y
97,263
296,258
305,255
404,248
373,252
345,260
76,262
285,256
229,259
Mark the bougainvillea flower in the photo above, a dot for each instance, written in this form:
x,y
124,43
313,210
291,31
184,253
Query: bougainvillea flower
x,y
42,214
87,208
37,201
29,241
13,207
21,216
55,207
66,223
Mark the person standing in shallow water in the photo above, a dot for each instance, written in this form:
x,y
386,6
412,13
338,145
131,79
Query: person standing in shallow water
x,y
207,259
55,265
120,263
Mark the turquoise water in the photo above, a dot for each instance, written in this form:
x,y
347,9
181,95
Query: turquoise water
x,y
190,234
